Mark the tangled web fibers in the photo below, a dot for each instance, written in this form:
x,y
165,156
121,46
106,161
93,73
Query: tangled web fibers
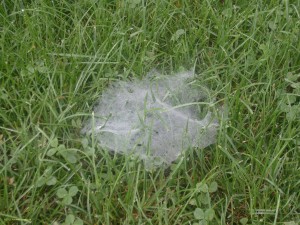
x,y
155,118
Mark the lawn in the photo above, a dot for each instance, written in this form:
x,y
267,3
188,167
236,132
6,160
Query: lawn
x,y
56,58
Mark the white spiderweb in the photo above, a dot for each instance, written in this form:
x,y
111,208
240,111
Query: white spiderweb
x,y
155,118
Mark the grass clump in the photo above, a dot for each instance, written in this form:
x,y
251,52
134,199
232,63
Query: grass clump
x,y
58,56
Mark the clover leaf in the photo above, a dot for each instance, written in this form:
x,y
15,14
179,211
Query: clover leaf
x,y
202,187
204,198
47,178
204,216
72,220
177,34
199,214
69,154
66,196
213,187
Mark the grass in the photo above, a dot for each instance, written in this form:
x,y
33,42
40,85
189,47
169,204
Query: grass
x,y
58,56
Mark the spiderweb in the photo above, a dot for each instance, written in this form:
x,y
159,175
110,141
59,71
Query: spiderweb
x,y
155,119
